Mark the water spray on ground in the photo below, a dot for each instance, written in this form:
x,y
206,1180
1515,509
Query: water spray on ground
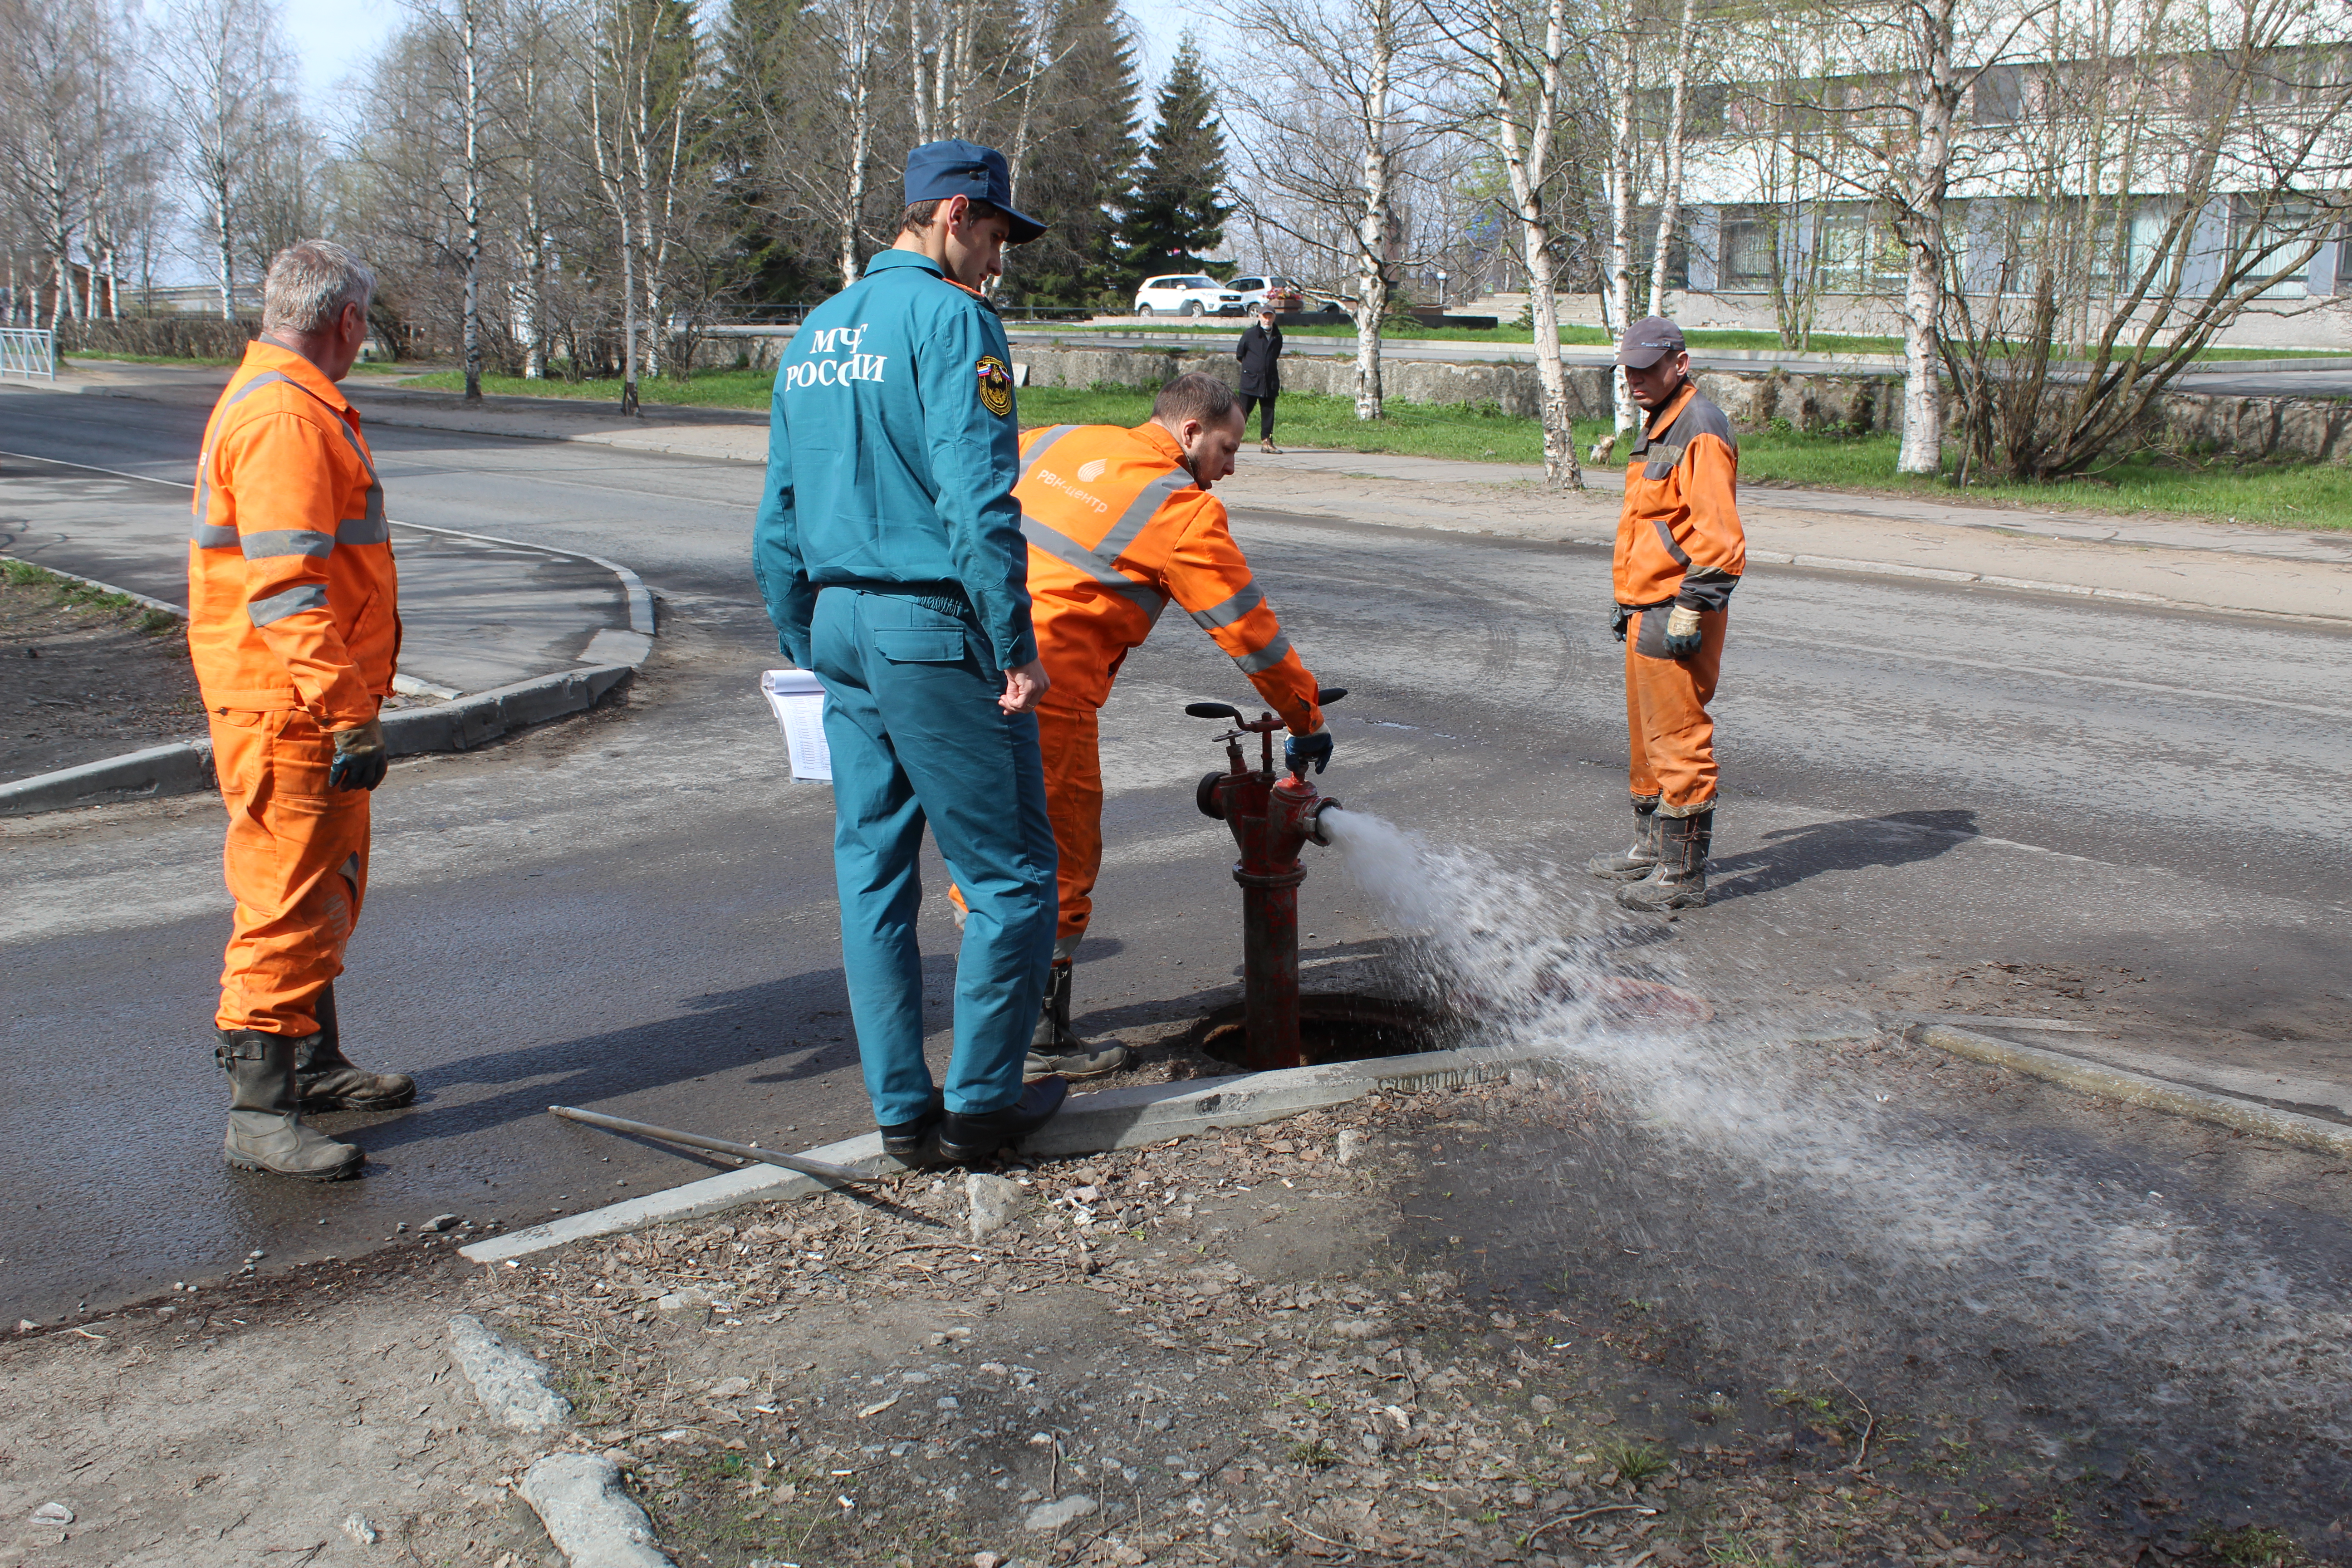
x,y
1810,1227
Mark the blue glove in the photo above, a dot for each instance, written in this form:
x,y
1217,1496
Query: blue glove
x,y
1683,632
1300,750
1619,618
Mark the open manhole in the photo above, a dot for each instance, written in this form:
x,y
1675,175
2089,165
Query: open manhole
x,y
1337,1026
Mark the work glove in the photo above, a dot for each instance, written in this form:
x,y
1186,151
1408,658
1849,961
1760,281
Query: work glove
x,y
361,757
1620,617
1682,631
1299,750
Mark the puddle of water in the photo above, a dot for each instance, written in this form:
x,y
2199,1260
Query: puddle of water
x,y
2034,1290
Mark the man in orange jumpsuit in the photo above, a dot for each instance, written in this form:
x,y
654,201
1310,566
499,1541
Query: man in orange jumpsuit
x,y
294,627
1680,552
1120,522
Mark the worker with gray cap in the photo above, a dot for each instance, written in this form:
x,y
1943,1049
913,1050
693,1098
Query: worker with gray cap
x,y
1680,552
889,549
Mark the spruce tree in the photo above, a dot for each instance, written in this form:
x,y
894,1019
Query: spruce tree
x,y
1174,214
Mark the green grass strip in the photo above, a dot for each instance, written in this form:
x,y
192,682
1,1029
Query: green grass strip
x,y
2297,495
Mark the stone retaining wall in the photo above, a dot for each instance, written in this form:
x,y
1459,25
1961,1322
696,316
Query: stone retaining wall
x,y
1857,402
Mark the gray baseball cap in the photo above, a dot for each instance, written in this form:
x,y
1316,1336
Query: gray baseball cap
x,y
1648,341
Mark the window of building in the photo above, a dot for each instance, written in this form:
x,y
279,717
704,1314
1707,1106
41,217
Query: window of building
x,y
1747,254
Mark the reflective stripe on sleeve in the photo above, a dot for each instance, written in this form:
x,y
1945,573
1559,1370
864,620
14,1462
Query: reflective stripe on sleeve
x,y
212,536
1070,552
278,606
286,542
1250,598
1267,658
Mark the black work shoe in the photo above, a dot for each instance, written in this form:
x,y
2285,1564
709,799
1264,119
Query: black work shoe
x,y
904,1140
972,1139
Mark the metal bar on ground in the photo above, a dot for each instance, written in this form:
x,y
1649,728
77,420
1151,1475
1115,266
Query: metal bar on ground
x,y
816,1168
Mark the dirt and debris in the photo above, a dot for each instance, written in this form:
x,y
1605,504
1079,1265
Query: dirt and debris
x,y
90,674
1234,1349
1449,1347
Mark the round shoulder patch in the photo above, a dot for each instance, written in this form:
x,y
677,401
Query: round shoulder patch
x,y
996,386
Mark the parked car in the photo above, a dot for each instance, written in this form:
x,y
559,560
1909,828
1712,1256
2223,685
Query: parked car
x,y
1280,293
1186,294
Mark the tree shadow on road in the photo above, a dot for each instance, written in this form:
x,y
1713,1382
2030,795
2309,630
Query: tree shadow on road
x,y
1790,854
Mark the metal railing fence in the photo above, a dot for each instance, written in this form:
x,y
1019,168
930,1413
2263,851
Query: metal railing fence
x,y
28,352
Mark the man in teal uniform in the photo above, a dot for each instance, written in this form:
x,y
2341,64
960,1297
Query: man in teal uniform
x,y
889,549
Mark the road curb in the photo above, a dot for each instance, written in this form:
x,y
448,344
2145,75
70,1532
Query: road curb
x,y
186,767
589,1514
1088,1124
2138,1088
169,609
511,1385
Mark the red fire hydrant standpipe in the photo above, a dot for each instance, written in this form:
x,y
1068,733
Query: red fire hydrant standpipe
x,y
1272,819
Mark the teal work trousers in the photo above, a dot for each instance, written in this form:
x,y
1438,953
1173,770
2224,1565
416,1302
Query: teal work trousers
x,y
917,737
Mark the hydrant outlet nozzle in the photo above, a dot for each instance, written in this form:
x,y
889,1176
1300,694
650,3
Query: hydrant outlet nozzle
x,y
1319,826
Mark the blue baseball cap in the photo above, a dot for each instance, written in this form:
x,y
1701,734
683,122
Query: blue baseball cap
x,y
938,169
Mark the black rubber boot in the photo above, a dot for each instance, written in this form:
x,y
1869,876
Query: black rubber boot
x,y
265,1120
905,1140
330,1080
974,1139
1628,864
1678,881
1054,1049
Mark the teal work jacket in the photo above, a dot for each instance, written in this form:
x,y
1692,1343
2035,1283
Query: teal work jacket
x,y
892,453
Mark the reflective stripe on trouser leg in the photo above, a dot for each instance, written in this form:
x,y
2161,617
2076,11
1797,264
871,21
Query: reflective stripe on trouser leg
x,y
296,862
1067,728
1665,702
918,741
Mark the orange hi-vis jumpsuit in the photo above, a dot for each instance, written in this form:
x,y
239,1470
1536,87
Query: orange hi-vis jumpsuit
x,y
294,627
1117,528
1678,542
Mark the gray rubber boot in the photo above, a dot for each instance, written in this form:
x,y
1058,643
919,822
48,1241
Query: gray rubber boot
x,y
330,1080
265,1120
1636,861
1678,881
1054,1050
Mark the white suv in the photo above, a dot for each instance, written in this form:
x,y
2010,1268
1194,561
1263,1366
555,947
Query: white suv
x,y
1186,294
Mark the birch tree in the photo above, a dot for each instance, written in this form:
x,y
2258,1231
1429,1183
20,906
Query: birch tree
x,y
52,148
227,68
1670,194
1525,69
1338,109
1621,50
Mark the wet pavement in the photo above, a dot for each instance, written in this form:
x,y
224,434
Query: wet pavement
x,y
2019,1293
636,912
474,613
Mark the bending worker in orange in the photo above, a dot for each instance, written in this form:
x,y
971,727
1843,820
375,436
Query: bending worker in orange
x,y
294,627
1680,552
1120,522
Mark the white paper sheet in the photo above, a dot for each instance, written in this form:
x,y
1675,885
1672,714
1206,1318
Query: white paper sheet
x,y
798,697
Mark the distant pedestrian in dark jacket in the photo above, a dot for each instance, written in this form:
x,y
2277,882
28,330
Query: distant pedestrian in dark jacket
x,y
1259,352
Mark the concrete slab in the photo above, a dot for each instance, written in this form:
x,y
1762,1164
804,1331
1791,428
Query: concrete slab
x,y
1114,1119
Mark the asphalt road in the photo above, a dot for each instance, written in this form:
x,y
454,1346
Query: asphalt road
x,y
1931,792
